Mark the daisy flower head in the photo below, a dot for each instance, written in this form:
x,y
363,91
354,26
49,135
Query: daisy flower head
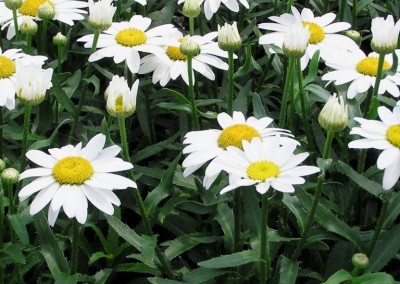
x,y
172,63
101,14
212,6
124,40
121,101
66,11
8,73
228,37
323,33
295,40
383,134
361,71
68,177
385,34
208,145
265,164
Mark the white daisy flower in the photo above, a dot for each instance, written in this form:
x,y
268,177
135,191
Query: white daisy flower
x,y
205,145
212,6
172,63
8,70
265,164
385,34
323,33
66,11
382,135
124,40
121,101
70,176
361,70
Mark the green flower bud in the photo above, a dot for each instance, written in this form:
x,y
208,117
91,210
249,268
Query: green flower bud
x,y
46,11
229,38
191,8
360,260
2,165
10,176
354,35
28,26
13,4
59,39
189,47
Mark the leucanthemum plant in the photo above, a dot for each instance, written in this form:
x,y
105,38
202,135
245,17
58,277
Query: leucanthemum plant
x,y
212,6
69,176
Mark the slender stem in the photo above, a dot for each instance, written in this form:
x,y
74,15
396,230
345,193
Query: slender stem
x,y
27,120
230,82
378,227
139,201
292,106
285,97
59,58
11,207
1,227
144,10
118,11
237,212
75,242
264,253
355,271
317,194
342,5
191,26
373,106
354,20
149,120
28,44
14,11
1,133
195,117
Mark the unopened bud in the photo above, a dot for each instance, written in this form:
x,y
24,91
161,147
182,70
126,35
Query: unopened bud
x,y
28,26
354,35
10,176
191,8
46,11
189,47
13,4
360,260
334,115
59,39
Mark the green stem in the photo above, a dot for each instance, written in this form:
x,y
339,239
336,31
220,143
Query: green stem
x,y
378,227
27,120
342,5
292,106
195,117
1,227
28,44
139,201
44,36
230,82
149,120
317,194
373,106
354,20
285,97
1,133
191,26
11,207
59,58
14,11
237,212
75,242
264,253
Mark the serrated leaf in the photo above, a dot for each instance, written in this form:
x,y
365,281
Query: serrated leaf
x,y
18,223
258,108
288,270
231,260
153,149
124,231
339,277
224,217
376,278
180,97
15,252
98,255
203,275
62,97
244,70
295,207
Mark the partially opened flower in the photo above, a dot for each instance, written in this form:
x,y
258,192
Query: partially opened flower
x,y
228,37
68,177
361,71
323,33
212,6
385,34
101,14
66,11
265,164
172,63
295,40
207,145
334,114
121,101
383,134
124,40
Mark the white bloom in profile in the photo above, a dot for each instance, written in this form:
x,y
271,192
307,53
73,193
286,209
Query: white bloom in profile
x,y
206,145
228,37
121,101
68,177
334,115
212,6
385,34
295,40
172,63
323,33
101,14
361,71
124,40
66,11
265,164
8,73
382,135
32,83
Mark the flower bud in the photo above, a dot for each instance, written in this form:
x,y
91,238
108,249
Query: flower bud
x,y
189,47
334,115
354,35
28,26
385,34
46,11
13,4
2,165
229,38
295,41
121,101
191,8
360,260
10,176
101,14
59,39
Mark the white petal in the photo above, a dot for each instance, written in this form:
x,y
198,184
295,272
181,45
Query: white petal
x,y
94,147
43,198
35,186
388,157
36,172
41,159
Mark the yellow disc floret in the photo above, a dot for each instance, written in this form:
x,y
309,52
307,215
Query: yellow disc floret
x,y
30,7
175,54
393,135
72,170
235,134
7,67
131,37
369,66
118,104
317,33
262,170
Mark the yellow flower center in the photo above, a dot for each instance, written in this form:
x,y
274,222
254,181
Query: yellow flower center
x,y
72,170
131,37
175,54
30,7
369,66
393,135
118,104
7,67
235,134
317,33
262,170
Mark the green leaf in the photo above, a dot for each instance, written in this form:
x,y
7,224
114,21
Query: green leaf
x,y
180,97
62,97
49,247
101,277
393,210
95,81
124,231
376,278
292,202
231,260
203,275
339,277
18,223
244,70
240,102
153,149
288,270
312,68
258,108
157,280
169,206
137,267
175,106
224,217
15,252
393,69
362,4
98,255
372,187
